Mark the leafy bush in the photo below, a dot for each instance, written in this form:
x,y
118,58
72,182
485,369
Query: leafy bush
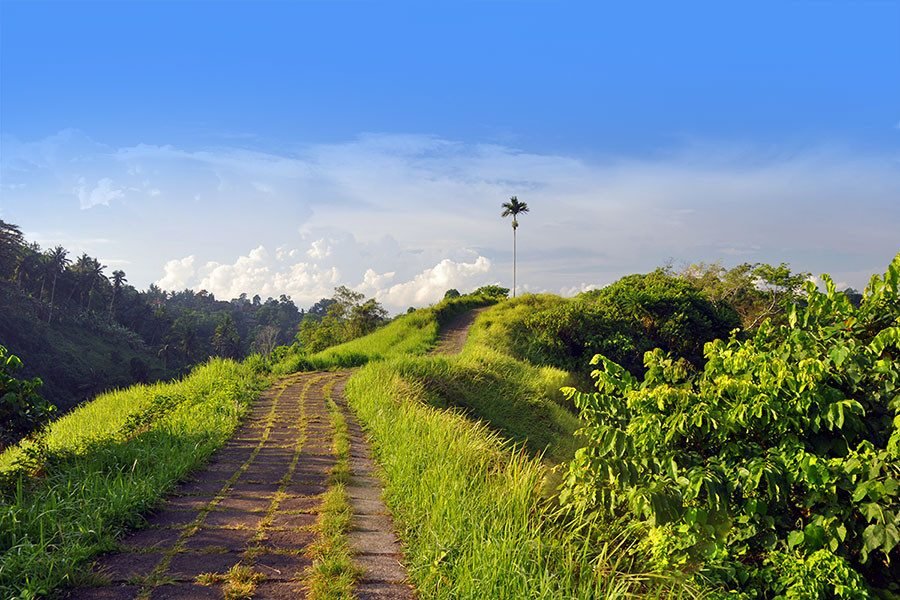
x,y
776,464
622,321
22,409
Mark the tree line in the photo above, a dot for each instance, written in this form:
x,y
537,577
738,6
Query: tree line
x,y
47,291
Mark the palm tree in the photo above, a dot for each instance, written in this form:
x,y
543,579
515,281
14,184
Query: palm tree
x,y
56,262
514,208
118,278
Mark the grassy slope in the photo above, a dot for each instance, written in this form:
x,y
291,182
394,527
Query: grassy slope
x,y
102,465
105,464
469,503
449,433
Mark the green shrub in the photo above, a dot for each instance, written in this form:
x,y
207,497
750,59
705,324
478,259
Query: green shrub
x,y
621,321
22,409
785,445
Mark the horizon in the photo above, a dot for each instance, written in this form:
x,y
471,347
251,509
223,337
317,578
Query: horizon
x,y
287,148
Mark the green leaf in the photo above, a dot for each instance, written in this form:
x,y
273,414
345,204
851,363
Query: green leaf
x,y
795,538
838,355
873,537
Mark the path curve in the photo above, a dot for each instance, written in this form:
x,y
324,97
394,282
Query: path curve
x,y
453,335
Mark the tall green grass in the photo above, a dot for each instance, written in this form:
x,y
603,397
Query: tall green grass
x,y
470,508
106,463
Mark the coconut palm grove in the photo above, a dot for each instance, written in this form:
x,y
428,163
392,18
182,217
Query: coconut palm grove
x,y
264,333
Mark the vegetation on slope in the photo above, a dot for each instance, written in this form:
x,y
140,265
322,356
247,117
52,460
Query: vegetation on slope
x,y
470,506
83,330
774,471
68,493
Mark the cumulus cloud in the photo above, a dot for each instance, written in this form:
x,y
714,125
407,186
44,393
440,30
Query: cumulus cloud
x,y
177,273
271,276
429,285
319,249
578,289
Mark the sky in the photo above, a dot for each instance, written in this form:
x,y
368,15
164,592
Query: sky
x,y
289,147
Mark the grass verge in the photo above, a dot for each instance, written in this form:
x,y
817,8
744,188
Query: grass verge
x,y
467,445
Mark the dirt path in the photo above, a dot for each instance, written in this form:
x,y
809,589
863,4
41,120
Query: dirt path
x,y
453,336
250,515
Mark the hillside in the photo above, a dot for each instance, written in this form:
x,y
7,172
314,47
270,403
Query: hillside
x,y
75,358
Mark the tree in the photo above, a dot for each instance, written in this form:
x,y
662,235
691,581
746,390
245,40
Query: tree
x,y
320,308
492,291
514,208
451,293
118,278
265,340
95,274
12,246
756,291
366,317
22,409
226,342
774,469
56,262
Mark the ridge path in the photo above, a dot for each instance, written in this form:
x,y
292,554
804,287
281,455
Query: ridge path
x,y
250,515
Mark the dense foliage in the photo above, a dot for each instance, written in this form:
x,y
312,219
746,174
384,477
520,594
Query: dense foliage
x,y
755,291
774,471
635,314
349,316
22,408
84,332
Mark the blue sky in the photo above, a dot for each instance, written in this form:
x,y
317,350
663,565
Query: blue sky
x,y
200,144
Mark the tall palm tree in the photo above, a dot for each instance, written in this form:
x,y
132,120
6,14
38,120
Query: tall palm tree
x,y
514,208
56,263
95,273
118,278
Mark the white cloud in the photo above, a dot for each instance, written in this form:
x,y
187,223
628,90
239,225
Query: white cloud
x,y
103,193
578,289
319,249
258,272
430,285
177,274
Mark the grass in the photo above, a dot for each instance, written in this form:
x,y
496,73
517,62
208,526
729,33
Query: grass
x,y
467,444
470,508
332,574
105,464
408,335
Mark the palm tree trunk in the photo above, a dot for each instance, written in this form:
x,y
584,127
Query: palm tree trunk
x,y
52,294
514,262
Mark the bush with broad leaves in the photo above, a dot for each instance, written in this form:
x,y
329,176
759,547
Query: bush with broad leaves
x,y
773,471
